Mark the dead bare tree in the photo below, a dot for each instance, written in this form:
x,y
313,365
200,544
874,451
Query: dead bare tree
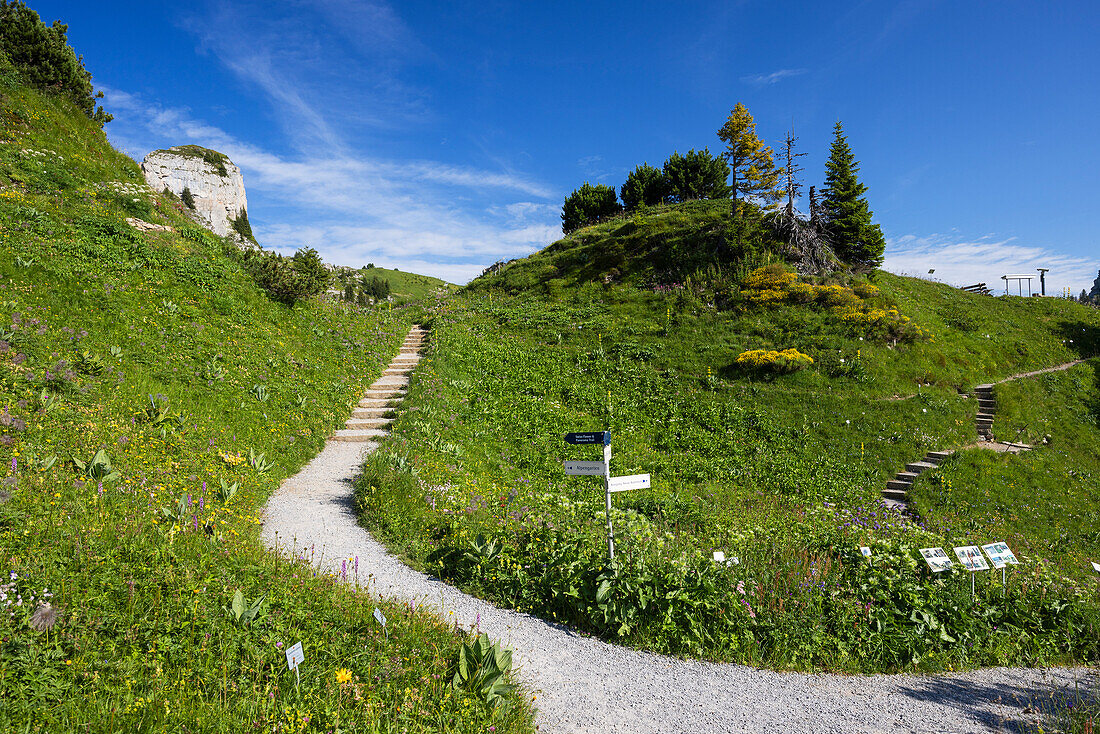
x,y
791,169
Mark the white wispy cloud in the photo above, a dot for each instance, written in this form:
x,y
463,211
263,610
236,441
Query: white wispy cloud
x,y
984,260
761,80
356,209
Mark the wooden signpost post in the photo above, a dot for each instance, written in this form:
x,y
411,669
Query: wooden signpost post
x,y
603,468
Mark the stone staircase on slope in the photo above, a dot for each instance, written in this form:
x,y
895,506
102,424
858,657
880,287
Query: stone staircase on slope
x,y
896,494
373,415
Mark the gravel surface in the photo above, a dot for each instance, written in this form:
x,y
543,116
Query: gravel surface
x,y
585,685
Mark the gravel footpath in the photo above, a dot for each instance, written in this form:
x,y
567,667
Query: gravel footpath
x,y
585,685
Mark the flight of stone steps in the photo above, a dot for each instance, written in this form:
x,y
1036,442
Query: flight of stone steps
x,y
375,411
896,494
986,405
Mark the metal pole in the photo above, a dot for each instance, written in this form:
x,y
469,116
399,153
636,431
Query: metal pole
x,y
607,501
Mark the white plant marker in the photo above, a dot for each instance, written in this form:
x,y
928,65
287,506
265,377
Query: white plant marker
x,y
1095,566
381,619
294,657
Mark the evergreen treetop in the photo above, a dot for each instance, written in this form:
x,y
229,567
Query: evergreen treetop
x,y
847,215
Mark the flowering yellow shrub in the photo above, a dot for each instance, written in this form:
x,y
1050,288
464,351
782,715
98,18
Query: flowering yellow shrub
x,y
864,289
800,292
771,277
835,296
765,360
765,297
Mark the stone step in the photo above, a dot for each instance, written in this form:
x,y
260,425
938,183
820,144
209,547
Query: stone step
x,y
982,402
897,486
400,370
906,476
919,467
359,436
355,424
384,394
934,460
361,413
895,494
983,414
983,388
895,504
391,381
988,423
941,455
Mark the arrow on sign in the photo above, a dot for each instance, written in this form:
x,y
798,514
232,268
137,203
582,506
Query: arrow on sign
x,y
585,468
600,437
633,481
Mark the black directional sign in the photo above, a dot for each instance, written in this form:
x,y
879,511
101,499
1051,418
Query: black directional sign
x,y
594,437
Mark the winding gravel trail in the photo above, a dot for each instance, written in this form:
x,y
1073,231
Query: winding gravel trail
x,y
585,685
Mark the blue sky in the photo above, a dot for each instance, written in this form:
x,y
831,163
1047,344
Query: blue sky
x,y
440,137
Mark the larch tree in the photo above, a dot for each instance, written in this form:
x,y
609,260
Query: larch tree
x,y
856,240
752,165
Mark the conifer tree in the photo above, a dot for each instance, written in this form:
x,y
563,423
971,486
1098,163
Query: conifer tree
x,y
1094,294
751,163
856,240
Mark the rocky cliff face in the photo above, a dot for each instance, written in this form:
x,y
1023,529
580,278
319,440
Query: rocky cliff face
x,y
215,183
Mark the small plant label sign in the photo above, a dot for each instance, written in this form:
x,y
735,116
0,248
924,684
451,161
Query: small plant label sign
x,y
970,556
936,558
719,557
1095,566
379,617
1000,555
294,656
865,551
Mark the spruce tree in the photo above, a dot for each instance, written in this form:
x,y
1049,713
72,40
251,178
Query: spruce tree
x,y
1094,294
856,239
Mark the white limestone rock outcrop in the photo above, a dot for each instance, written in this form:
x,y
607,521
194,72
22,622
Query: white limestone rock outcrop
x,y
215,183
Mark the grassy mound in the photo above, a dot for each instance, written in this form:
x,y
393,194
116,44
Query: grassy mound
x,y
151,398
770,411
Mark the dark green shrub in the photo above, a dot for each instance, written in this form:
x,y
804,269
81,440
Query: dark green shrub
x,y
588,205
645,185
241,225
287,280
188,198
696,175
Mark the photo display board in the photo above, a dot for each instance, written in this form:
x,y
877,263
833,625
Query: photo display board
x,y
970,556
936,558
1000,555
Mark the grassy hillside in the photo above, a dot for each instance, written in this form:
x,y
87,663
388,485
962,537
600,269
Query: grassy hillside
x,y
781,471
151,398
404,286
1042,502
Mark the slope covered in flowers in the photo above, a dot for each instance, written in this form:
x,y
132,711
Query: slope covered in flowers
x,y
151,398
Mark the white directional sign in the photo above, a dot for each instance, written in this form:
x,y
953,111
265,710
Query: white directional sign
x,y
585,468
633,481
